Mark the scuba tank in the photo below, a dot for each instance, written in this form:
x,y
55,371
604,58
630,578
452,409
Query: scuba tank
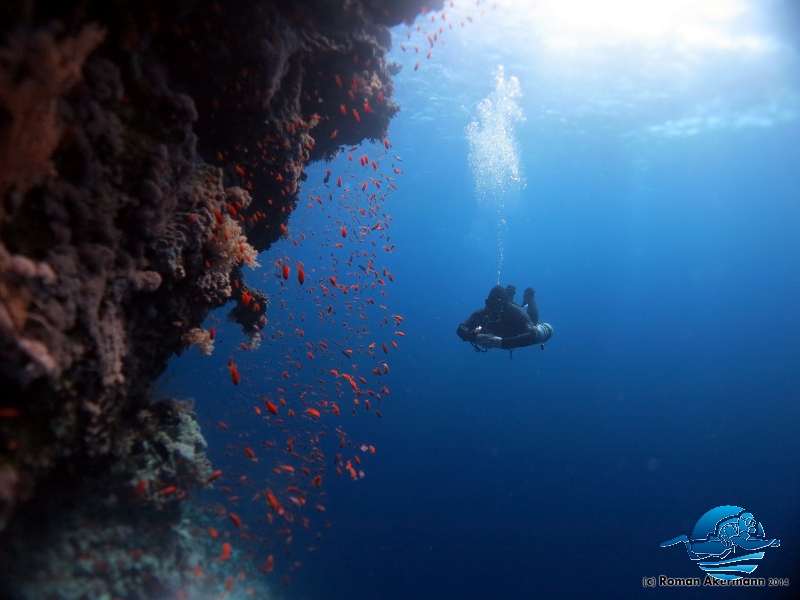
x,y
544,332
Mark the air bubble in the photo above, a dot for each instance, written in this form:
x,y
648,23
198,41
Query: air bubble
x,y
494,154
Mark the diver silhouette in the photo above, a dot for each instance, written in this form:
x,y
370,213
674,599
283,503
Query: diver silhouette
x,y
741,530
503,324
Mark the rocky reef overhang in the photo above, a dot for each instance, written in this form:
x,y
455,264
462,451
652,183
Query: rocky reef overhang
x,y
148,151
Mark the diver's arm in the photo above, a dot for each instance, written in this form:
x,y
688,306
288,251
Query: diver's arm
x,y
466,334
528,338
466,330
754,543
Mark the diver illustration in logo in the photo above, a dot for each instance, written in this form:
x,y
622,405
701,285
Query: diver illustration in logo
x,y
718,534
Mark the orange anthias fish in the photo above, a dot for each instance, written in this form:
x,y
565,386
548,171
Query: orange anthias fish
x,y
234,374
273,501
286,271
226,552
301,275
313,412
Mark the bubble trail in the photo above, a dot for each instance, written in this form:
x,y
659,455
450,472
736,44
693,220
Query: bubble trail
x,y
494,153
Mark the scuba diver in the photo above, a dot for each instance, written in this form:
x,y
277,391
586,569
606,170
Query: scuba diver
x,y
504,324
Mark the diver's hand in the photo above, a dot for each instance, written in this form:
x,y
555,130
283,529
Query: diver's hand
x,y
489,341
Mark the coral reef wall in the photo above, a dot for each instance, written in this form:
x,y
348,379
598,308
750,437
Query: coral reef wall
x,y
148,151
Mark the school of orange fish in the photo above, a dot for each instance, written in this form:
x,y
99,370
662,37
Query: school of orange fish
x,y
300,403
295,409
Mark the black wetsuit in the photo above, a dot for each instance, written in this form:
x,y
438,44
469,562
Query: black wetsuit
x,y
513,325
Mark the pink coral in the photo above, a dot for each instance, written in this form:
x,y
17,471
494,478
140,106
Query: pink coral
x,y
27,142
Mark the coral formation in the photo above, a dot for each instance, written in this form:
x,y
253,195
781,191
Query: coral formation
x,y
197,336
124,533
148,150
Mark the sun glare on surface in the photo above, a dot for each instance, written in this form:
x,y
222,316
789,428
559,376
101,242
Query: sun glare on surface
x,y
687,24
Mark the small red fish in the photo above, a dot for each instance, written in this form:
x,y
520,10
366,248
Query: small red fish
x,y
286,271
301,275
273,501
249,452
226,552
170,489
211,333
234,374
313,412
271,407
344,231
236,520
214,476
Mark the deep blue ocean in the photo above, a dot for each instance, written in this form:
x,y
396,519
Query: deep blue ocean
x,y
656,213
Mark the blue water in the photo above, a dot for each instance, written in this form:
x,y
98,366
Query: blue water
x,y
668,268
